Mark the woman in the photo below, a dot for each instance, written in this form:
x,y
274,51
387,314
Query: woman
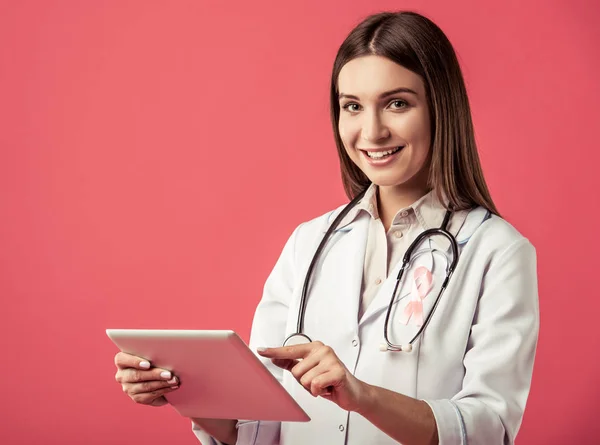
x,y
408,157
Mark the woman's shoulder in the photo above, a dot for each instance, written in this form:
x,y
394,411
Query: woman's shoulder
x,y
497,234
319,224
308,234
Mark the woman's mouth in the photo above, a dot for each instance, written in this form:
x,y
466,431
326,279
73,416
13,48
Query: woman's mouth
x,y
383,154
381,157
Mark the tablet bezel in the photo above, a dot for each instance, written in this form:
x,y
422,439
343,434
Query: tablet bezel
x,y
248,392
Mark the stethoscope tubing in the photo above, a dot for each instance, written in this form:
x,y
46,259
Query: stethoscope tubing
x,y
300,337
315,258
405,261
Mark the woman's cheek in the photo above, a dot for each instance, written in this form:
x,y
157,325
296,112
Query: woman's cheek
x,y
346,136
347,141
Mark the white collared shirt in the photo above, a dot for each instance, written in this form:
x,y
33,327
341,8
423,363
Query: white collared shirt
x,y
473,364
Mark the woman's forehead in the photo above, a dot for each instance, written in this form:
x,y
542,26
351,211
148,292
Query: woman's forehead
x,y
370,76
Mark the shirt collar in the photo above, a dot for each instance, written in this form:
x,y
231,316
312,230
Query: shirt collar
x,y
367,205
428,210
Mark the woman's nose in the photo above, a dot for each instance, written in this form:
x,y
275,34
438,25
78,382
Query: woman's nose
x,y
374,129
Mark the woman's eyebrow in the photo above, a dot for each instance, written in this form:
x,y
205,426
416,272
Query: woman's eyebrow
x,y
381,96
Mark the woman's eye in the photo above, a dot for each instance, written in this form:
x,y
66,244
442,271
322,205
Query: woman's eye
x,y
398,104
352,107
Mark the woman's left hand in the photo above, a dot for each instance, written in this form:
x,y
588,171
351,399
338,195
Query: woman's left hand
x,y
316,367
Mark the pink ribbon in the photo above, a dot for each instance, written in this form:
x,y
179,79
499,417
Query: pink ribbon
x,y
422,284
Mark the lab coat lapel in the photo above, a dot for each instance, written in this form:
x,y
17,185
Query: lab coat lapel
x,y
454,227
462,225
346,256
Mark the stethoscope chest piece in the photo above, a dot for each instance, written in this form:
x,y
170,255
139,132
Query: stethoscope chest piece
x,y
297,339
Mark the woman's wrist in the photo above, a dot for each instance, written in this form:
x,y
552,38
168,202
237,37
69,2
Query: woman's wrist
x,y
367,398
403,418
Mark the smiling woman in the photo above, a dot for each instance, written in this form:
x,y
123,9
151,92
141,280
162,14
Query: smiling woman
x,y
419,262
384,125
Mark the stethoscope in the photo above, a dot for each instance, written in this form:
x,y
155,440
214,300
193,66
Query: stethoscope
x,y
300,338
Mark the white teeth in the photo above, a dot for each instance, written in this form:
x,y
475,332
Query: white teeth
x,y
382,154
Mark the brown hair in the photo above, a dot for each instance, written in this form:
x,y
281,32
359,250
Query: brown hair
x,y
415,42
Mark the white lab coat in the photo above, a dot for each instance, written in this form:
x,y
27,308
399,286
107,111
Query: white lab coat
x,y
473,365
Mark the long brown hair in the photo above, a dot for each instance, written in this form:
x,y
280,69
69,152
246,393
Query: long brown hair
x,y
415,42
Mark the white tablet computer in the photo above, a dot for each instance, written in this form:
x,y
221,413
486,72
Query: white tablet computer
x,y
220,376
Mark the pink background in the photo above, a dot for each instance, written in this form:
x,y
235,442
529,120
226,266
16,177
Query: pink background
x,y
155,156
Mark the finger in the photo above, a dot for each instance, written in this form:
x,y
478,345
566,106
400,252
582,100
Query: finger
x,y
286,364
313,360
326,382
289,352
147,398
135,375
124,361
139,388
307,379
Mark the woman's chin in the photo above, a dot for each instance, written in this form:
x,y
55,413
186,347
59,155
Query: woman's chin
x,y
387,181
399,180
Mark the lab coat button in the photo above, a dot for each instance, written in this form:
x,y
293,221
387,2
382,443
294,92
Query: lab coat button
x,y
398,234
341,427
354,342
404,213
378,281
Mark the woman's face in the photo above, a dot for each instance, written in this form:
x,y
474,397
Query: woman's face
x,y
384,121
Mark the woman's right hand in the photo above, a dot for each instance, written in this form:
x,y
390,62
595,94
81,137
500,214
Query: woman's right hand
x,y
143,383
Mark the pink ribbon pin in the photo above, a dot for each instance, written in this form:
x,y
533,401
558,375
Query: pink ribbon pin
x,y
421,286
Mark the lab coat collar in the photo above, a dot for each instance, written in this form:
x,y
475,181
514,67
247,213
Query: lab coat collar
x,y
430,212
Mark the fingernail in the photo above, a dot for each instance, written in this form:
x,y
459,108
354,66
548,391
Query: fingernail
x,y
174,387
173,380
165,375
261,349
144,364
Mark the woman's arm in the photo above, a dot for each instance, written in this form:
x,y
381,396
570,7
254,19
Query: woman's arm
x,y
321,372
407,420
498,367
500,353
